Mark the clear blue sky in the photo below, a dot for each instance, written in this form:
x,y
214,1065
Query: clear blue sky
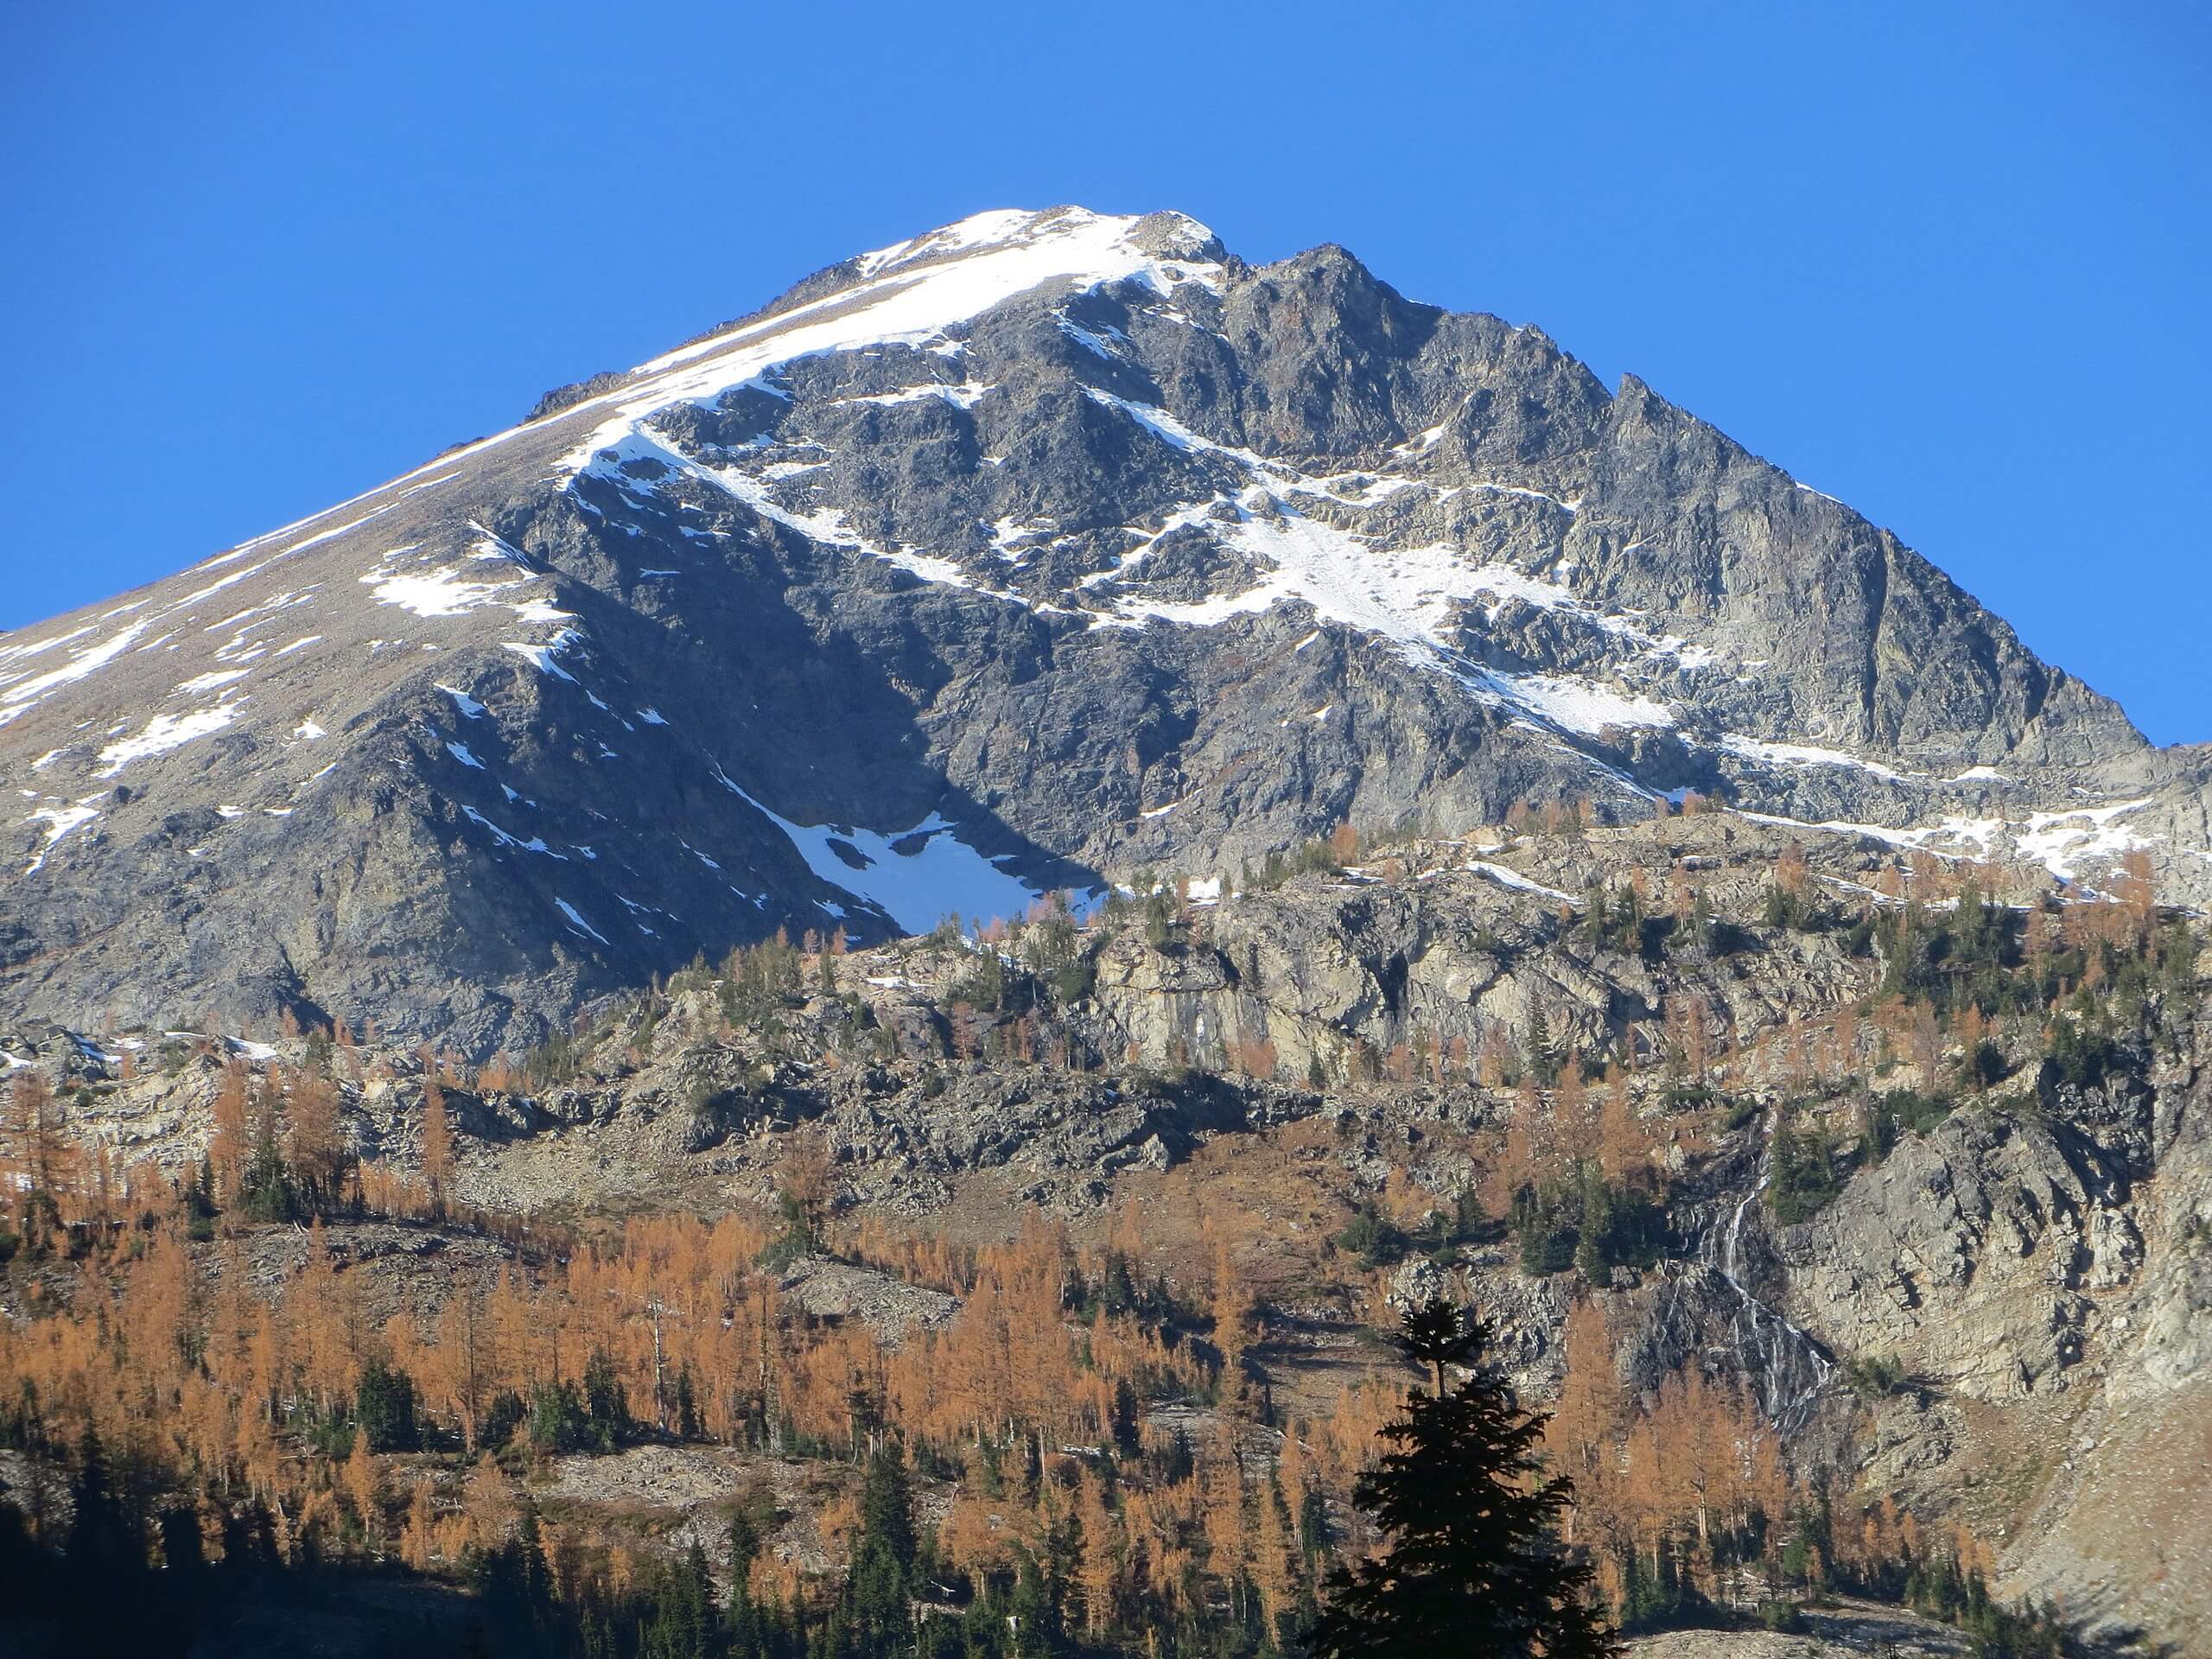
x,y
1946,262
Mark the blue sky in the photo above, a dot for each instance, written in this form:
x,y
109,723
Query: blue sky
x,y
1948,262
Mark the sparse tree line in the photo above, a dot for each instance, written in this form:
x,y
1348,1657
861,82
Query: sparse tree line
x,y
296,1432
218,1434
339,1437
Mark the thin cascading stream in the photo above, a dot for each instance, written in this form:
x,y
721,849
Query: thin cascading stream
x,y
1791,1368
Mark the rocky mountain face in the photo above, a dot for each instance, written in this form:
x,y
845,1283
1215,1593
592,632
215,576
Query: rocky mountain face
x,y
1996,1311
1029,554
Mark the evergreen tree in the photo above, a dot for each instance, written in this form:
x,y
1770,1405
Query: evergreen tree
x,y
605,1402
532,1576
1125,1419
182,1553
744,1618
1544,1064
268,1191
1034,1609
1473,1564
384,1408
885,1553
689,1425
102,1547
686,1624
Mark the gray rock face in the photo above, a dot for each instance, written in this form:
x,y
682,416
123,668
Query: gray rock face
x,y
1974,1251
1027,554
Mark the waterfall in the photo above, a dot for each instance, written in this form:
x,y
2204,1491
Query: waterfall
x,y
1790,1366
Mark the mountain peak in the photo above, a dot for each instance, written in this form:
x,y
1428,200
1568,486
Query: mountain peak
x,y
1162,235
1026,553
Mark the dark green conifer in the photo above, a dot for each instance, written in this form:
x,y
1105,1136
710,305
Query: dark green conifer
x,y
1473,1564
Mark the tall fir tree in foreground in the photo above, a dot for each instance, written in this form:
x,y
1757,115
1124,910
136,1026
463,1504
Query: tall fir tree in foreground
x,y
1474,1564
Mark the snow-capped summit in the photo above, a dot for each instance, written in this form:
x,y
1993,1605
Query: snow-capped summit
x,y
916,293
1091,247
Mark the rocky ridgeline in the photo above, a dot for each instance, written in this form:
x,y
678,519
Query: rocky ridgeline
x,y
1969,1263
1022,556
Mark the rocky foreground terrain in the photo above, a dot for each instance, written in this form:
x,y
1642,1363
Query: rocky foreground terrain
x,y
1952,1261
1027,554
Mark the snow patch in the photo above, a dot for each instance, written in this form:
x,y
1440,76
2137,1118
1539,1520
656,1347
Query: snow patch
x,y
541,657
1578,705
166,732
200,685
917,877
469,708
962,396
534,844
576,920
2062,842
1799,754
58,822
19,694
445,592
1511,878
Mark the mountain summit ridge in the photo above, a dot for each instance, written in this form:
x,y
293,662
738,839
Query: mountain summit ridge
x,y
1029,552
